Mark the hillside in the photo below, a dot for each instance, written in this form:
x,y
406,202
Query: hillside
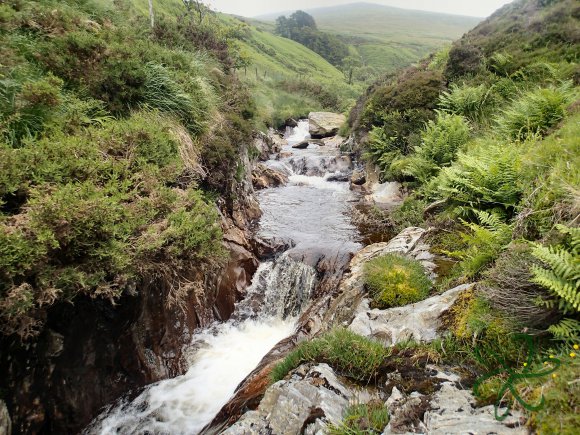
x,y
388,38
484,137
286,78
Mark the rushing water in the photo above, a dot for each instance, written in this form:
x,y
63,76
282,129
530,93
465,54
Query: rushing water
x,y
310,213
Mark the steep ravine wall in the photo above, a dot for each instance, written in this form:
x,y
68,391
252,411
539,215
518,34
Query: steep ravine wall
x,y
93,352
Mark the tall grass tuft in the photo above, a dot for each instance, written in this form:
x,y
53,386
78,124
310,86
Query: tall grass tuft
x,y
162,92
348,353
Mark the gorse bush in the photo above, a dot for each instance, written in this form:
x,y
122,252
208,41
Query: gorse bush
x,y
348,353
535,112
394,281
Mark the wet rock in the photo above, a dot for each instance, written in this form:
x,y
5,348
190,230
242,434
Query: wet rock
x,y
55,344
419,321
333,142
277,141
324,124
387,195
235,278
338,177
305,403
301,145
291,122
358,177
264,144
5,423
264,176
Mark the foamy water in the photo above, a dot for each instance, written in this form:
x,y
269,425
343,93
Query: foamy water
x,y
185,404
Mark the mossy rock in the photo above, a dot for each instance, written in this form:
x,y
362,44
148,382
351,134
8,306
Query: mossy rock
x,y
394,281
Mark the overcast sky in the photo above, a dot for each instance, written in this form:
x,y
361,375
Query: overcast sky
x,y
251,8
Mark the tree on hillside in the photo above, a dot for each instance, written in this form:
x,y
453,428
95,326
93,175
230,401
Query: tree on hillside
x,y
301,27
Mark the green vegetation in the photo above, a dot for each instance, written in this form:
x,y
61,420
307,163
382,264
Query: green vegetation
x,y
486,137
287,79
562,280
346,352
379,37
394,281
109,164
360,419
301,27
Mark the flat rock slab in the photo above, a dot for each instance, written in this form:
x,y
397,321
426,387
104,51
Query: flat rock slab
x,y
450,411
324,124
419,321
305,403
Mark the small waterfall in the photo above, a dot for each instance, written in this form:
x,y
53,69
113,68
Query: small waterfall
x,y
280,288
221,357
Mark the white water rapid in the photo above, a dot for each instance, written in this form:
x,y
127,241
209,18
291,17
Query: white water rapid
x,y
310,214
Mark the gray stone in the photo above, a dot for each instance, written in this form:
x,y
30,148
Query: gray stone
x,y
5,422
324,124
419,321
387,195
308,403
358,177
453,412
301,145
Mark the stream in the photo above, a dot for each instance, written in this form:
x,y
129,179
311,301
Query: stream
x,y
310,214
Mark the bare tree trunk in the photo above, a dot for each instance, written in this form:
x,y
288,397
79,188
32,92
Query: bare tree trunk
x,y
151,15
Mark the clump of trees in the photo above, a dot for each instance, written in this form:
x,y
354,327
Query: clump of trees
x,y
301,27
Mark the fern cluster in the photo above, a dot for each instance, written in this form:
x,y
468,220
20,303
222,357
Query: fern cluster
x,y
469,101
485,178
484,242
535,112
440,143
562,279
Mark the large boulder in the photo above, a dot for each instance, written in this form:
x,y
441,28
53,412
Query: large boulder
x,y
420,321
449,410
324,124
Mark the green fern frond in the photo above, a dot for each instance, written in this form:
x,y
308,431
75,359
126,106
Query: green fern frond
x,y
566,329
562,273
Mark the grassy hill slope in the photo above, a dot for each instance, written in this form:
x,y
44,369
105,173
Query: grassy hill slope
x,y
388,38
287,79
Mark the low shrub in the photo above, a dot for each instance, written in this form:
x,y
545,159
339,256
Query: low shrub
x,y
348,353
508,288
409,213
394,281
